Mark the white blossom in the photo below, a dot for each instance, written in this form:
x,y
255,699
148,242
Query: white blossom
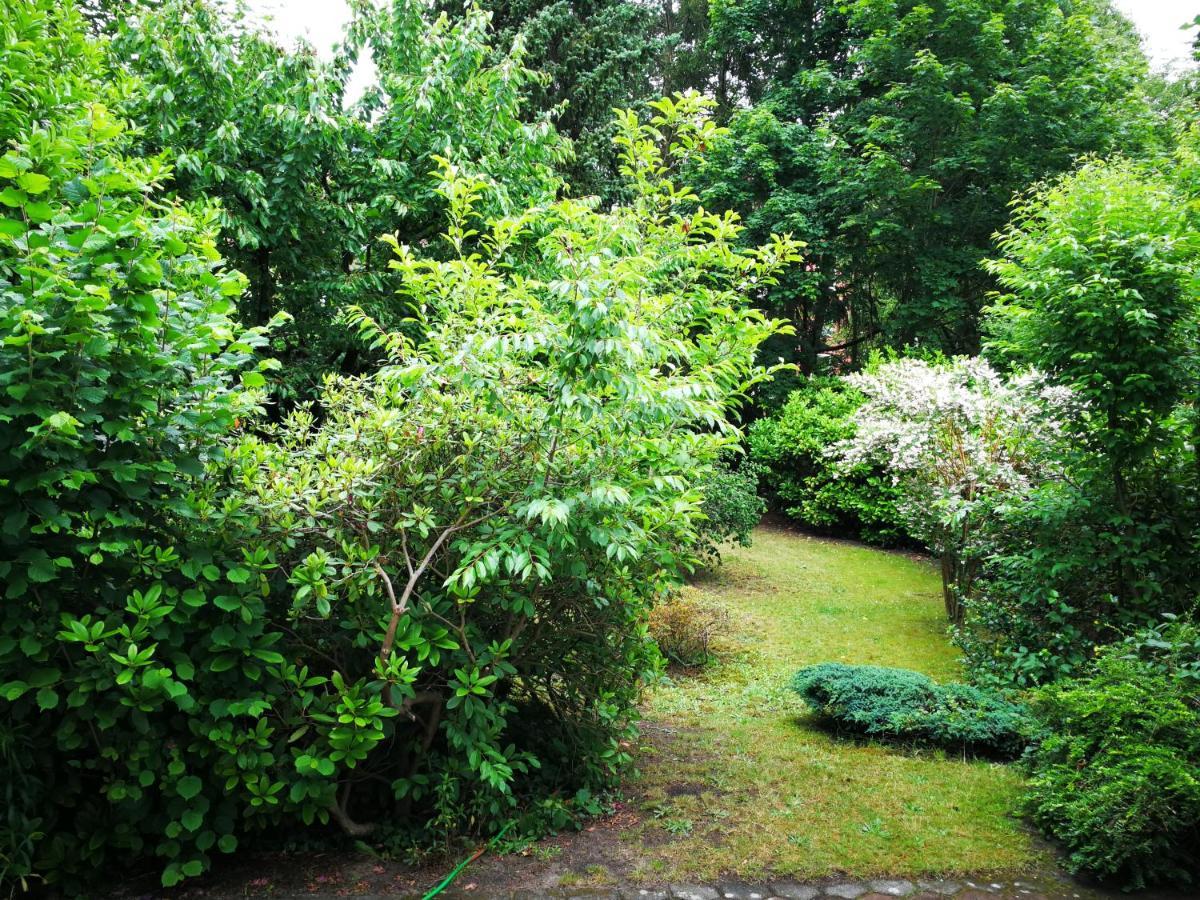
x,y
952,434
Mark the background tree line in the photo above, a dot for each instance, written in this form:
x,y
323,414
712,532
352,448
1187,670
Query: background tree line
x,y
889,136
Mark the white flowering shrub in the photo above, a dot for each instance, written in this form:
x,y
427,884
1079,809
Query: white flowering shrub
x,y
956,436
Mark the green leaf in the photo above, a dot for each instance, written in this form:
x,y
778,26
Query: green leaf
x,y
13,690
188,786
238,575
33,183
193,867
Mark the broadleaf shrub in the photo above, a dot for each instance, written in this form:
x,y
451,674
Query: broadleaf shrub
x,y
808,483
122,368
908,707
731,507
437,584
1114,775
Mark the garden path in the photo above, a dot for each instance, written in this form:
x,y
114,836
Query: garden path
x,y
735,779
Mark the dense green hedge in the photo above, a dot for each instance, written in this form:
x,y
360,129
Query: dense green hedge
x,y
1116,774
416,614
909,707
802,476
731,508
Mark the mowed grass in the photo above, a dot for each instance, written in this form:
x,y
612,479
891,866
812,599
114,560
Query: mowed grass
x,y
736,778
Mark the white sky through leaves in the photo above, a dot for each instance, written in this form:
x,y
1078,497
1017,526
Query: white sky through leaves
x,y
321,21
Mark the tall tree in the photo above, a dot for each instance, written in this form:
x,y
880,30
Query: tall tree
x,y
593,56
892,135
308,183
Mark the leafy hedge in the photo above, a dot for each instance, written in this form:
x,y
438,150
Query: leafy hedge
x,y
909,707
806,482
417,614
1114,776
731,507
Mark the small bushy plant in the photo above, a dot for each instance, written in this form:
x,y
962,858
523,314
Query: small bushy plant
x,y
731,507
1114,775
804,480
684,628
908,707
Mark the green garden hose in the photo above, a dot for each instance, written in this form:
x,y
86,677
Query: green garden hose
x,y
445,882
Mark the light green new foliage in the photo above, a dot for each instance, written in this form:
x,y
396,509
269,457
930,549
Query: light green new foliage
x,y
476,533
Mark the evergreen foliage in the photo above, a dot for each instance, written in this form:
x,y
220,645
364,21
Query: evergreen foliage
x,y
910,708
1114,776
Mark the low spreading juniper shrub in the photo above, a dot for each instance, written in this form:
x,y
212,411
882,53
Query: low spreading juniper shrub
x,y
907,707
1114,775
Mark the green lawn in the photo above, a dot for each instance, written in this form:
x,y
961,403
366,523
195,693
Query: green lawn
x,y
737,779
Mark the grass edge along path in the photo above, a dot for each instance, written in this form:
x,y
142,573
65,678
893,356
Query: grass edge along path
x,y
735,776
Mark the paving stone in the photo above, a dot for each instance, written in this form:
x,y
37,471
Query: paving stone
x,y
694,892
644,894
736,890
945,888
893,888
794,890
846,891
975,893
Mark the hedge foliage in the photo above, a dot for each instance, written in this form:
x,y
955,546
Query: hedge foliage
x,y
413,613
731,507
803,477
1114,776
908,707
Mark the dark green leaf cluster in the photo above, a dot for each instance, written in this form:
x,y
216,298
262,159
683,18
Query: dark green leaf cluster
x,y
805,478
908,707
891,136
731,507
1114,776
593,56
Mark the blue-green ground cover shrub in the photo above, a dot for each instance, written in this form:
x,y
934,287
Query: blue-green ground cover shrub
x,y
908,707
807,483
1115,773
